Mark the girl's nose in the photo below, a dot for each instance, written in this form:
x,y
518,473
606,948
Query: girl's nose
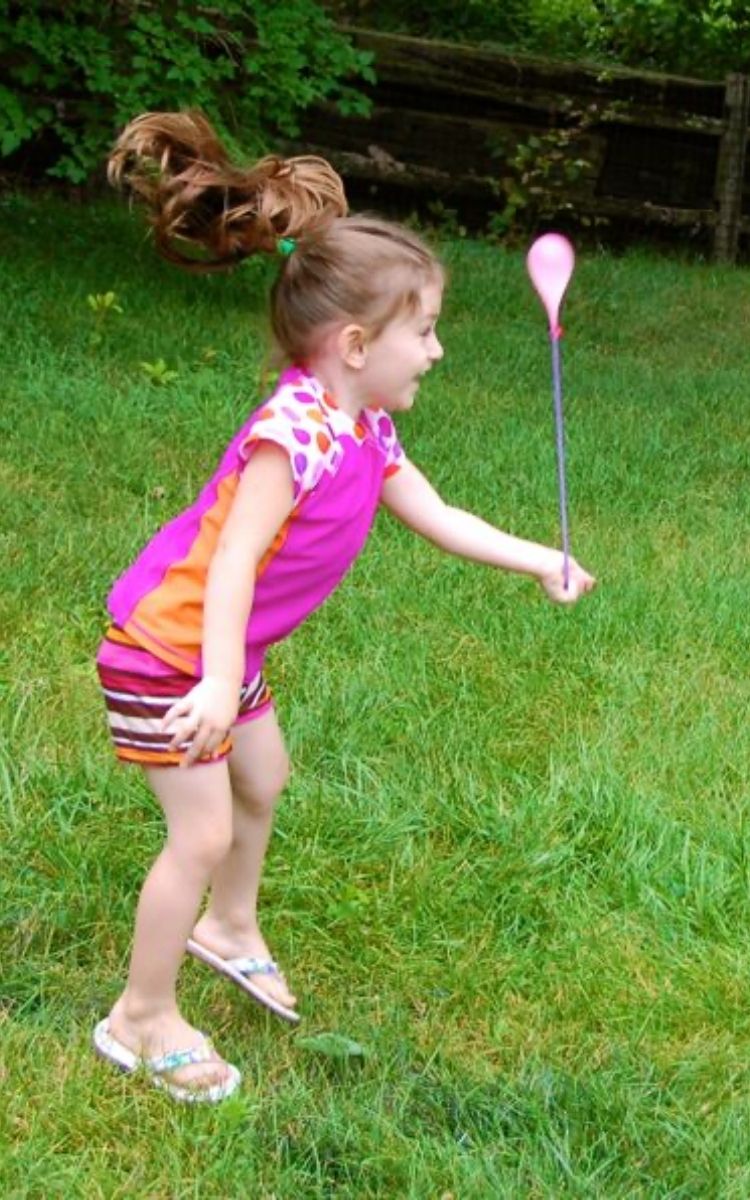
x,y
436,350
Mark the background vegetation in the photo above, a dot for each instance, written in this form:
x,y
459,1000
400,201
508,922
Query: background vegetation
x,y
513,864
75,73
705,38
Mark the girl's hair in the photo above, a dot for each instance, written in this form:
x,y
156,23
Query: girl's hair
x,y
208,214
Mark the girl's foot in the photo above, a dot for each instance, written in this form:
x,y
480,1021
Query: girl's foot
x,y
150,1038
246,943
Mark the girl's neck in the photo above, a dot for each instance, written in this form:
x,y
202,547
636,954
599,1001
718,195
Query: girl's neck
x,y
338,382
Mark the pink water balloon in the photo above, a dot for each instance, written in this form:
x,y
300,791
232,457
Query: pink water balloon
x,y
550,264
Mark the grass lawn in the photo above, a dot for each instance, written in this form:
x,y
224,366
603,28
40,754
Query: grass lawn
x,y
513,863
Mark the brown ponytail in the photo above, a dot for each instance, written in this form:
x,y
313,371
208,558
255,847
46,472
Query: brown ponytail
x,y
208,214
199,201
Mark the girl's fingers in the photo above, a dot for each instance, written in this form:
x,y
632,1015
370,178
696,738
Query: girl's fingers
x,y
182,732
191,730
193,752
204,743
179,709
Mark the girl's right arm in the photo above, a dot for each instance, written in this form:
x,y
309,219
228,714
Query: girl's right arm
x,y
262,503
413,500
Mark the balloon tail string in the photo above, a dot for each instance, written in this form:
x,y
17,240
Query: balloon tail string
x,y
560,445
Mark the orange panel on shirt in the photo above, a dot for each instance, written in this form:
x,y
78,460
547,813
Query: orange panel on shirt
x,y
171,615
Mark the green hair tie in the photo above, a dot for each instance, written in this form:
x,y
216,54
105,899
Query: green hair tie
x,y
286,246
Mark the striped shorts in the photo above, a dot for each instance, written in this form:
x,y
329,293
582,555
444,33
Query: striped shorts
x,y
139,689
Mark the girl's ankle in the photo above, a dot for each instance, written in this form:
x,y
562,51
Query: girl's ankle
x,y
140,1010
241,925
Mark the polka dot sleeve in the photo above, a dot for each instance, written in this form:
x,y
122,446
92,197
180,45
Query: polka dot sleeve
x,y
384,432
295,425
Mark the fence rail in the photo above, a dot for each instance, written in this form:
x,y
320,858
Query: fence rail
x,y
611,144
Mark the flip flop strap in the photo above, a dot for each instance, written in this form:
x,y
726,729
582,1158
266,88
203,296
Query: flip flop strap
x,y
255,966
203,1052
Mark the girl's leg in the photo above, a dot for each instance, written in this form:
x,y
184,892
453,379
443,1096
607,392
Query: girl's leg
x,y
258,768
197,804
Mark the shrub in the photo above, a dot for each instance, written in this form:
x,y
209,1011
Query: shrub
x,y
74,72
706,39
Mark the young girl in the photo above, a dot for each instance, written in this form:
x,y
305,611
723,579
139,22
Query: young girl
x,y
354,311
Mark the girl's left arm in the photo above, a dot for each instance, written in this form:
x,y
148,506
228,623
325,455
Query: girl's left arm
x,y
413,500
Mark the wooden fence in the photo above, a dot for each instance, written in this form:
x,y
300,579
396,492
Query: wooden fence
x,y
487,132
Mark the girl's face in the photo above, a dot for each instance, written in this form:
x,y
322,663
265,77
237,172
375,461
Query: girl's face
x,y
398,357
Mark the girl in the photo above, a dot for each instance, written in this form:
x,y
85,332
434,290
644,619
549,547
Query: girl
x,y
354,311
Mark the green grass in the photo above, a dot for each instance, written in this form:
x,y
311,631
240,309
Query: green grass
x,y
514,858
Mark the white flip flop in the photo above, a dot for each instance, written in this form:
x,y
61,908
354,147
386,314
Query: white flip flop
x,y
108,1047
240,970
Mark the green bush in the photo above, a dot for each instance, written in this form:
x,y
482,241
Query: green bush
x,y
75,72
473,20
705,39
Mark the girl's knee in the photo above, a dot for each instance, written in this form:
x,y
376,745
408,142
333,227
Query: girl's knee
x,y
259,795
205,848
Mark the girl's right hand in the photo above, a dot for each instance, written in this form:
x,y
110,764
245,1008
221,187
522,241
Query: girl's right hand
x,y
579,582
203,717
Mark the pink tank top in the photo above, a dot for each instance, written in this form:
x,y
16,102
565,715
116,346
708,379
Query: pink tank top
x,y
338,467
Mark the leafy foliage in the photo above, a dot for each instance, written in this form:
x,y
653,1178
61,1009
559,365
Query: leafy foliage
x,y
541,173
77,72
706,39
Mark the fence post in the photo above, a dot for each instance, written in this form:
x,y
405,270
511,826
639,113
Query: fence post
x,y
730,168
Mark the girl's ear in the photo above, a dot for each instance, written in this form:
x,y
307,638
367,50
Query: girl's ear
x,y
352,347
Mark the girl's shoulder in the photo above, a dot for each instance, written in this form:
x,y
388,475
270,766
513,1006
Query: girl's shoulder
x,y
296,407
296,417
302,418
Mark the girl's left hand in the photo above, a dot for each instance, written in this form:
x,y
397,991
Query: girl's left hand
x,y
579,583
203,718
